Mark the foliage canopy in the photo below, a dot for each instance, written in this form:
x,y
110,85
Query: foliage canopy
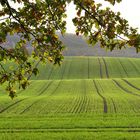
x,y
39,20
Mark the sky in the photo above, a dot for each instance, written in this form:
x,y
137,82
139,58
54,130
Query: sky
x,y
130,10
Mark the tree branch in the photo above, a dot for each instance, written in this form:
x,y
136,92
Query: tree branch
x,y
4,18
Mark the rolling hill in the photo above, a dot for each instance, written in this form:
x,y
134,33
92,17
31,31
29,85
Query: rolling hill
x,y
77,46
89,97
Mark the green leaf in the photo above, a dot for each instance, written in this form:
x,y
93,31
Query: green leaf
x,y
35,71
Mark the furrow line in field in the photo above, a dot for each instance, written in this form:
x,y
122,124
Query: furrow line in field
x,y
27,108
130,84
6,108
63,71
70,63
134,66
123,68
3,110
124,89
55,88
103,98
51,94
78,109
76,105
41,88
114,106
131,130
101,74
60,108
82,105
106,68
87,104
131,103
71,110
46,87
49,76
68,105
88,67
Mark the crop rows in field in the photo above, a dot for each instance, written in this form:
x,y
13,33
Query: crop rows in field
x,y
91,68
88,96
74,127
76,96
71,107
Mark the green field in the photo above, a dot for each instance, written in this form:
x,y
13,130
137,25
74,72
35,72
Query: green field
x,y
87,98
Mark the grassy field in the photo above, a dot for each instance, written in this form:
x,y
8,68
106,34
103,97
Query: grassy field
x,y
87,98
91,68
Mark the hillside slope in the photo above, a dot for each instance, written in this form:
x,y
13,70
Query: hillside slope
x,y
90,68
77,46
